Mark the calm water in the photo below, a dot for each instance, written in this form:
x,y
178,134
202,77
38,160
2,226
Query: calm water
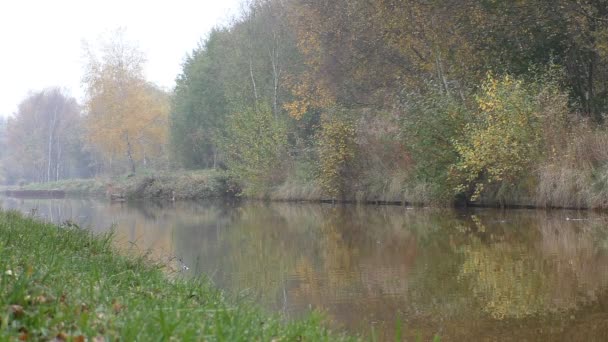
x,y
465,275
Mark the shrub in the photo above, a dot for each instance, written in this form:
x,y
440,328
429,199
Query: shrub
x,y
254,146
433,123
337,153
503,139
384,163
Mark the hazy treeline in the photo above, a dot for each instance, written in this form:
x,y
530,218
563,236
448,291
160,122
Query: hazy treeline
x,y
412,100
120,127
40,144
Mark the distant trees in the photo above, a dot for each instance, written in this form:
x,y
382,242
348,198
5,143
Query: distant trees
x,y
123,124
2,149
127,117
43,141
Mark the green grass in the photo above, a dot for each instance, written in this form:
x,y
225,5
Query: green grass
x,y
66,283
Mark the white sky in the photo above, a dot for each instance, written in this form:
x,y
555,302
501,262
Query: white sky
x,y
41,40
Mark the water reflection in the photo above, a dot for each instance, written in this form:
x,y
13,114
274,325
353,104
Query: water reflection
x,y
463,275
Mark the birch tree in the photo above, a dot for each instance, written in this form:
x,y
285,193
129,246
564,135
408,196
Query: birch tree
x,y
126,115
42,138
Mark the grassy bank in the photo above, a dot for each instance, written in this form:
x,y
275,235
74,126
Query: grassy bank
x,y
65,283
158,185
393,190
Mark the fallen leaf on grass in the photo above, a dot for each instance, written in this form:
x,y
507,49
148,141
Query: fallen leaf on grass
x,y
117,307
79,338
17,310
61,337
41,300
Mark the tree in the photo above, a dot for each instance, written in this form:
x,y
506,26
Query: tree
x,y
199,104
255,146
2,149
387,61
127,116
235,67
43,138
503,139
2,136
337,151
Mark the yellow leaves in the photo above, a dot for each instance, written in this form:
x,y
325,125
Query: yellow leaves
x,y
508,281
296,109
139,111
123,108
310,87
337,149
308,93
501,143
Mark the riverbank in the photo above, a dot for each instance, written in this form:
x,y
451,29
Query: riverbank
x,y
64,283
159,185
396,190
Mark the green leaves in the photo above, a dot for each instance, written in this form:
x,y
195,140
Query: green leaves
x,y
199,105
432,124
254,147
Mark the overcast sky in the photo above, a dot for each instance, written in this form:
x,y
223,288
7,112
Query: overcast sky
x,y
40,40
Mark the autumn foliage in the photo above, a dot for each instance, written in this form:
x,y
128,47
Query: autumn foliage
x,y
380,100
127,116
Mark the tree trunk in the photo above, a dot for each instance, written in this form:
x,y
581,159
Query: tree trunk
x,y
255,89
50,147
145,160
589,95
58,163
441,74
130,153
276,74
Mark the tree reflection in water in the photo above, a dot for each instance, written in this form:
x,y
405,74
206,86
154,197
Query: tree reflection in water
x,y
482,274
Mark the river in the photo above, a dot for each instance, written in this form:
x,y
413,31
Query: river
x,y
463,275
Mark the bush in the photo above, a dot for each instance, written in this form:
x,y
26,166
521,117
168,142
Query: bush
x,y
383,161
337,154
433,123
503,139
254,147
